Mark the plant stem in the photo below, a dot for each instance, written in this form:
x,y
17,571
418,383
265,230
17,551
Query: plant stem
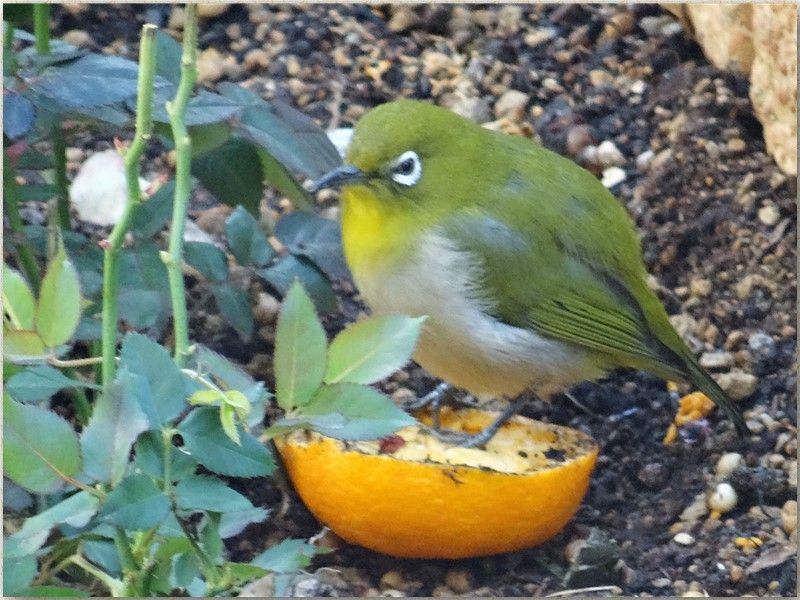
x,y
9,58
176,110
144,128
114,586
11,200
62,183
41,27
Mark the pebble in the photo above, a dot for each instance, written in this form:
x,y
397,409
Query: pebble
x,y
748,282
458,580
789,516
511,105
539,36
737,384
266,309
761,344
736,573
209,66
609,155
661,582
78,38
736,145
728,463
723,499
209,10
403,19
644,159
436,64
700,287
769,214
257,58
683,538
716,361
696,510
578,138
613,176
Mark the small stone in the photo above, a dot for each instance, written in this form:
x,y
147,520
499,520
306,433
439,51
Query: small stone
x,y
613,176
293,67
700,287
436,64
511,105
78,38
74,154
644,160
392,579
761,345
728,463
509,18
737,384
694,594
458,580
403,395
769,214
789,516
538,37
176,18
209,10
609,155
696,510
600,77
683,538
257,58
723,499
638,87
661,582
209,66
717,361
736,145
578,138
403,18
266,309
736,573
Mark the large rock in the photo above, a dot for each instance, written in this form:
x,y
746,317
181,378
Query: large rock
x,y
759,40
773,80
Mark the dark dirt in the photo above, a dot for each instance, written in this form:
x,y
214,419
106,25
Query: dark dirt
x,y
695,176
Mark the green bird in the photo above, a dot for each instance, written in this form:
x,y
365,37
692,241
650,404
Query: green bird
x,y
529,270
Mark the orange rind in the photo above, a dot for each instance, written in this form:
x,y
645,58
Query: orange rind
x,y
412,496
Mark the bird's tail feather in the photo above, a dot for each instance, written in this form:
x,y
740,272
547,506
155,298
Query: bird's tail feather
x,y
703,381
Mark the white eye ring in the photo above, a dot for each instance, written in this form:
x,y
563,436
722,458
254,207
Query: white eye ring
x,y
407,169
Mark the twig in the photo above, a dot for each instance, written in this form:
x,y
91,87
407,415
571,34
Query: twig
x,y
176,110
144,127
598,588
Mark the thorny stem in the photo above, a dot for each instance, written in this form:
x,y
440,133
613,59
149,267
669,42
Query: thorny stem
x,y
144,127
41,27
11,200
176,110
9,58
114,586
60,160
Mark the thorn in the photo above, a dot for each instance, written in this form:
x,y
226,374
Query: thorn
x,y
104,244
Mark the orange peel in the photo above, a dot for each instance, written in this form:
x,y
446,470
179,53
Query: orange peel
x,y
412,496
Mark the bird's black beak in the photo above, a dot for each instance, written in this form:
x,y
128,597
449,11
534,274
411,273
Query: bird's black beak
x,y
343,175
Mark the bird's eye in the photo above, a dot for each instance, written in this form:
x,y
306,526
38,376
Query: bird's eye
x,y
407,169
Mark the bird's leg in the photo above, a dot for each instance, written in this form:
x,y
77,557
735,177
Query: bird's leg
x,y
433,398
466,440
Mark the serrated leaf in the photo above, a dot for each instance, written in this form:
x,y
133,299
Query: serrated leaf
x,y
372,349
76,510
233,522
39,447
288,556
36,384
300,348
205,440
234,305
246,239
316,238
227,418
203,492
143,356
201,397
18,573
136,503
144,287
18,115
208,259
243,572
59,308
18,300
283,273
209,536
365,413
149,458
154,212
232,172
117,420
239,402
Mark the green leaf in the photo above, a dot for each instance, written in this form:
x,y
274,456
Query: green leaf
x,y
203,492
52,591
209,536
246,239
76,510
281,179
59,307
18,114
136,503
154,212
232,172
243,572
201,397
372,349
283,273
233,522
39,447
300,347
142,356
291,137
239,402
204,108
227,418
149,458
367,414
39,383
233,304
18,300
144,288
168,57
207,137
316,238
23,347
18,573
208,259
205,440
288,556
37,192
117,420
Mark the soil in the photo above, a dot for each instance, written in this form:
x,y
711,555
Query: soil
x,y
717,220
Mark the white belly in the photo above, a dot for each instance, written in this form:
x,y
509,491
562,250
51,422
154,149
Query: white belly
x,y
461,343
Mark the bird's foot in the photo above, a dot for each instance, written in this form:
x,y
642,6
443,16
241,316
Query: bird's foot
x,y
462,439
433,399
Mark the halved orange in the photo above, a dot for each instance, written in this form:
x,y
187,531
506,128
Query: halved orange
x,y
416,497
